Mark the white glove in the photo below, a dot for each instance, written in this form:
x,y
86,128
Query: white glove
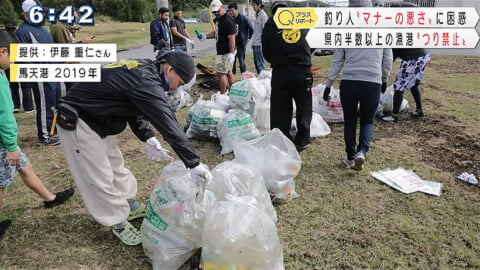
x,y
230,58
200,174
190,43
155,151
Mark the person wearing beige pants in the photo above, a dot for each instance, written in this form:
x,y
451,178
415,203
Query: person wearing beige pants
x,y
97,167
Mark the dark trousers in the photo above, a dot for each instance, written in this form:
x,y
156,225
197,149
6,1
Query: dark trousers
x,y
291,82
398,98
241,61
47,95
27,100
351,94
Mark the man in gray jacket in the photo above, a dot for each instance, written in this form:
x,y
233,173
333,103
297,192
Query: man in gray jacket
x,y
365,73
260,20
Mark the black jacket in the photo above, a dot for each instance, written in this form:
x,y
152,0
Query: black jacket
x,y
131,93
283,47
409,54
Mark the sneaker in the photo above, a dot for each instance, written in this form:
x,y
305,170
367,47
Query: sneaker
x,y
129,235
16,110
349,163
303,147
138,213
359,160
29,111
60,198
4,226
418,113
391,118
51,141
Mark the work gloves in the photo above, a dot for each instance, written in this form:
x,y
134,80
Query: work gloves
x,y
230,58
384,87
200,174
326,94
155,151
190,43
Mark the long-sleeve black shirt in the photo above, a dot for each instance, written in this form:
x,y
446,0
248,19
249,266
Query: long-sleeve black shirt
x,y
131,93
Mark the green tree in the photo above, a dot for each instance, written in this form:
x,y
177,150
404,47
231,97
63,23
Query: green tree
x,y
7,11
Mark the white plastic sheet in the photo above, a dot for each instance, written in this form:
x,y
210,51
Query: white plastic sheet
x,y
239,235
173,225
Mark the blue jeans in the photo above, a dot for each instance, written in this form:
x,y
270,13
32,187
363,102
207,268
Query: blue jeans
x,y
368,95
241,60
182,48
258,59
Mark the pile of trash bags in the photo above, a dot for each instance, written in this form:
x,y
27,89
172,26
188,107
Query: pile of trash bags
x,y
231,217
244,113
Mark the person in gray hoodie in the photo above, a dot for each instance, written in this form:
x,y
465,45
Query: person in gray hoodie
x,y
365,74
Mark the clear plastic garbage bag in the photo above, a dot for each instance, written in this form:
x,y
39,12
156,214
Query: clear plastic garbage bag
x,y
239,235
202,119
247,95
262,122
179,99
221,99
239,180
385,107
235,124
173,224
318,127
265,74
276,157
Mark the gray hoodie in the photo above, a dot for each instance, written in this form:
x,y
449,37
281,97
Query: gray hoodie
x,y
370,65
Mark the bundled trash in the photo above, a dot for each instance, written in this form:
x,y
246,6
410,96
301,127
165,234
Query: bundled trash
x,y
239,235
331,111
262,121
468,178
407,181
247,95
276,157
385,107
173,225
179,99
235,124
318,127
221,100
241,180
202,119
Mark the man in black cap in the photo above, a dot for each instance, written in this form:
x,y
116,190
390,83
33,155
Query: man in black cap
x,y
289,55
91,114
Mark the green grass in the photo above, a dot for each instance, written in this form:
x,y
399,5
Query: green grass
x,y
342,220
127,35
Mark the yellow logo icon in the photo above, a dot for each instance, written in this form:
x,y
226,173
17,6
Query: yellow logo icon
x,y
295,18
123,63
291,35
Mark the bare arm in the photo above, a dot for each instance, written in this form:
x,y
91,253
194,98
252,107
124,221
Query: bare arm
x,y
231,43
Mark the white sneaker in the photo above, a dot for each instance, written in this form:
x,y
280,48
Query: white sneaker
x,y
359,160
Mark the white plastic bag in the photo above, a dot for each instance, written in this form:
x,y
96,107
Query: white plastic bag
x,y
240,236
179,99
247,95
173,224
202,119
386,103
276,157
239,180
235,124
221,99
187,87
262,122
331,111
248,75
318,126
265,74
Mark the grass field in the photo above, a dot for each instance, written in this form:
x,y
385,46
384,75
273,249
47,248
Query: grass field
x,y
342,220
126,35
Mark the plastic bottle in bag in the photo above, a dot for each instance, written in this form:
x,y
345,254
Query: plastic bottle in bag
x,y
202,119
